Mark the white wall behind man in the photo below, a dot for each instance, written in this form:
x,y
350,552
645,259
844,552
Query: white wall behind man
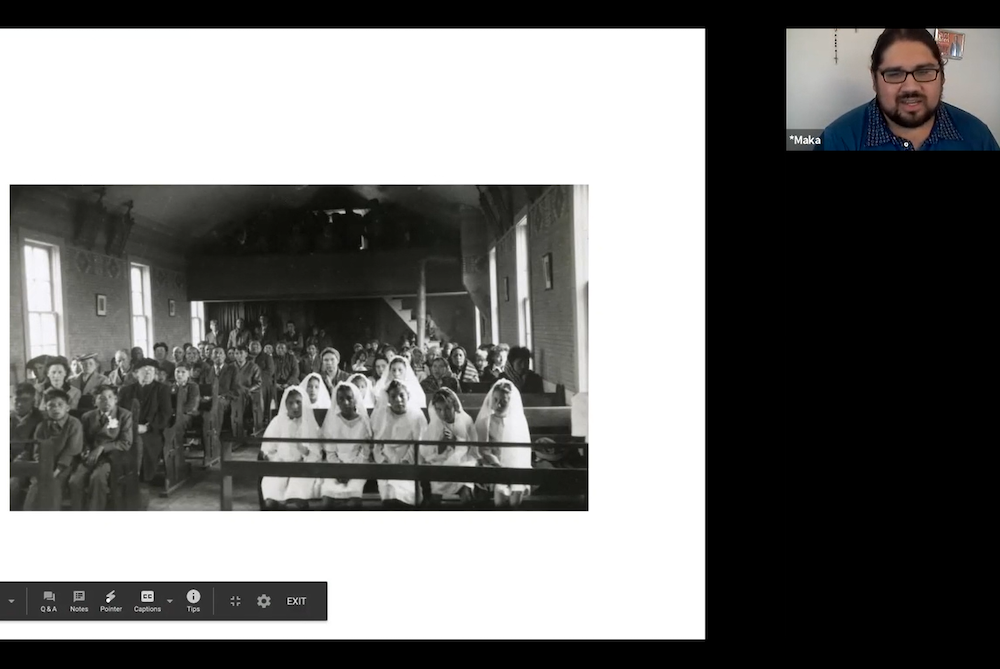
x,y
818,91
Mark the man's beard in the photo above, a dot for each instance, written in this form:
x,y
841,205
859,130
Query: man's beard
x,y
908,119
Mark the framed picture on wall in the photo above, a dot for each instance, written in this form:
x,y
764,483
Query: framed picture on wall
x,y
506,290
952,44
102,305
172,306
547,270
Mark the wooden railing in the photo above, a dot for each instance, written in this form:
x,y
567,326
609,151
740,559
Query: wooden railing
x,y
417,472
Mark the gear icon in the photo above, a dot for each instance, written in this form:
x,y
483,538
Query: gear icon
x,y
263,601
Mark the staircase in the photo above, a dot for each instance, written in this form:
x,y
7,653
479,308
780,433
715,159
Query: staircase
x,y
406,309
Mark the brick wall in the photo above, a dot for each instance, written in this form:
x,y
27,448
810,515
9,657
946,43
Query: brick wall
x,y
507,269
550,230
18,351
85,274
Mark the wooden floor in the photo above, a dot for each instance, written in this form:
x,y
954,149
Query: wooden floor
x,y
201,493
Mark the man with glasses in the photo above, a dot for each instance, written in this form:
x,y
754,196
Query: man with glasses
x,y
907,113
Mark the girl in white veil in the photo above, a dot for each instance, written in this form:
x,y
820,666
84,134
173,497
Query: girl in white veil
x,y
399,419
449,422
316,393
337,425
295,419
502,419
365,386
399,369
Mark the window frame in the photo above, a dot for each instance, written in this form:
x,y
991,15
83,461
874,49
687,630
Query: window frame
x,y
147,303
53,247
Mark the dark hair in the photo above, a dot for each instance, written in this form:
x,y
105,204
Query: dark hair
x,y
519,353
186,346
444,397
57,360
892,35
107,386
181,365
160,344
290,323
389,351
344,389
397,386
485,347
241,348
24,388
380,357
56,393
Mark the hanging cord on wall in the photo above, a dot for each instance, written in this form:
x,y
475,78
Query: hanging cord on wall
x,y
835,54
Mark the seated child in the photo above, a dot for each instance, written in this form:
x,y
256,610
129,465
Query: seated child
x,y
348,421
398,420
502,419
365,386
295,420
450,423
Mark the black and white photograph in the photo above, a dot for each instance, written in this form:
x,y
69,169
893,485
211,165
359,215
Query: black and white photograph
x,y
341,348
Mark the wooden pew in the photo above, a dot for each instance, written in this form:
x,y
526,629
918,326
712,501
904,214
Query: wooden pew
x,y
475,400
42,470
541,420
556,478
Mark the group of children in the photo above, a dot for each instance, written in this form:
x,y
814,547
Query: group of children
x,y
396,400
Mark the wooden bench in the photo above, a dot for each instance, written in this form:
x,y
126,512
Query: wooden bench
x,y
125,492
177,461
475,400
542,421
572,478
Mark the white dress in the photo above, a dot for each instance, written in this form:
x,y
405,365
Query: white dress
x,y
281,426
410,425
340,428
509,427
464,429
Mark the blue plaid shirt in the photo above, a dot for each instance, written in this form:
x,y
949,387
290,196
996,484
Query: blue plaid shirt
x,y
865,129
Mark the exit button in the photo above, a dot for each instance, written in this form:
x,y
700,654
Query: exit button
x,y
296,601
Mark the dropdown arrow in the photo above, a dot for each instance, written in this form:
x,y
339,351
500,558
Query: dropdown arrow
x,y
170,601
11,601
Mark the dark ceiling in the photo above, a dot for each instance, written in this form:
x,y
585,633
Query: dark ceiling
x,y
220,219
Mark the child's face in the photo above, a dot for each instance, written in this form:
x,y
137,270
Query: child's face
x,y
346,402
161,376
397,400
293,404
57,408
439,368
380,366
107,401
313,389
501,399
361,382
481,360
397,370
181,375
501,358
445,411
312,351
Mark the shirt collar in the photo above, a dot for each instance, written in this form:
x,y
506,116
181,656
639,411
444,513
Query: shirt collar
x,y
879,132
58,425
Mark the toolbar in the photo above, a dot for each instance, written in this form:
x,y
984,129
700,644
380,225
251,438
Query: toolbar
x,y
158,601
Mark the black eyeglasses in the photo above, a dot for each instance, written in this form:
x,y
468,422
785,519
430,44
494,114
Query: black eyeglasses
x,y
922,75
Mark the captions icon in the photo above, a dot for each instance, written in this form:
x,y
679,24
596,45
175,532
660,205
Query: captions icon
x,y
146,595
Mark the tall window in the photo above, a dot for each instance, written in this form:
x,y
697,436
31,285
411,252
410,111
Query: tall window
x,y
523,285
494,300
44,298
197,322
142,308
